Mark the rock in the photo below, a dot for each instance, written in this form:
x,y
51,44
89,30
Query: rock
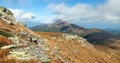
x,y
19,54
23,33
7,16
33,39
22,24
8,47
59,40
55,50
42,45
54,37
69,36
11,46
3,9
29,53
15,39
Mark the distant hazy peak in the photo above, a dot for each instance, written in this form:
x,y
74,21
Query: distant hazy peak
x,y
60,21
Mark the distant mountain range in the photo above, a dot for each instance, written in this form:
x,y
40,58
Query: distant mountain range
x,y
96,36
115,31
60,26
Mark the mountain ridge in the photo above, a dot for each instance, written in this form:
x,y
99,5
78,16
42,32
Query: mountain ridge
x,y
65,27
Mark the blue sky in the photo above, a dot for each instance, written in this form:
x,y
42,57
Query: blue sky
x,y
88,13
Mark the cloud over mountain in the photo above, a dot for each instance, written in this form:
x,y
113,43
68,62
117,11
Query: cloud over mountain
x,y
108,11
22,15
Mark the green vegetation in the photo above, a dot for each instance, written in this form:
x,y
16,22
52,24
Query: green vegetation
x,y
4,34
98,37
1,44
47,29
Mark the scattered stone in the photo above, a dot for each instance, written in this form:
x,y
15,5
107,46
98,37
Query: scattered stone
x,y
7,16
24,33
54,37
69,36
59,40
29,53
55,50
19,55
11,46
22,24
15,39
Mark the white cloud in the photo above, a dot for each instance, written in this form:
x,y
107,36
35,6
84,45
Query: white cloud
x,y
48,20
45,21
108,11
22,15
28,16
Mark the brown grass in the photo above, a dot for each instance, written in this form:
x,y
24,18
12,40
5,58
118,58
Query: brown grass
x,y
6,60
4,41
82,55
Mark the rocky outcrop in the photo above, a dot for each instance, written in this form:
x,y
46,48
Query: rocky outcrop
x,y
69,36
29,53
5,10
82,41
7,16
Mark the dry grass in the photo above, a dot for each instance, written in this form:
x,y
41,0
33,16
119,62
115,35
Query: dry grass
x,y
82,54
6,60
4,41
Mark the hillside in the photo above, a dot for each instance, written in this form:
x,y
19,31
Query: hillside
x,y
18,44
76,48
95,36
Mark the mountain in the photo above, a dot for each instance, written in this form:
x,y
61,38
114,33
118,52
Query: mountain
x,y
95,36
113,30
99,37
60,26
19,44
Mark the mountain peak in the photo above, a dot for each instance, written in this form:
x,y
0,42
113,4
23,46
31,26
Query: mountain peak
x,y
61,22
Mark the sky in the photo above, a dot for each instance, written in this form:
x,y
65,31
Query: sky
x,y
87,13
